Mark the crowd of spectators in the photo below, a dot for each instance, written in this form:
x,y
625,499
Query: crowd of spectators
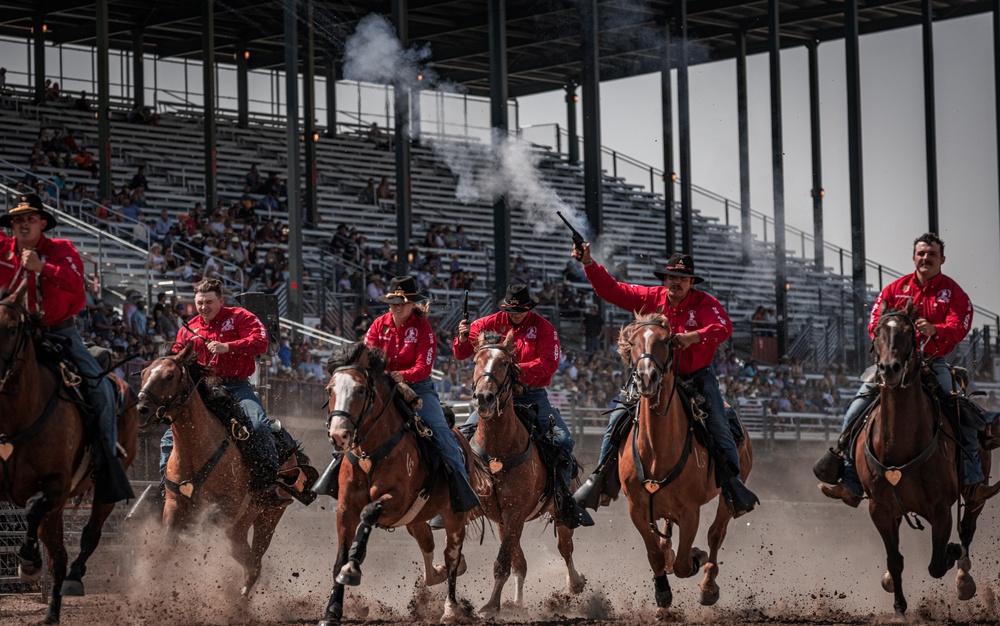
x,y
134,328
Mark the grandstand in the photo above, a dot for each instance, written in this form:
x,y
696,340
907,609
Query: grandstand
x,y
819,302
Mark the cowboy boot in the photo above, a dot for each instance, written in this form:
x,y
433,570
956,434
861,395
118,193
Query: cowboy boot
x,y
111,483
738,497
841,492
980,492
567,510
603,484
329,480
463,496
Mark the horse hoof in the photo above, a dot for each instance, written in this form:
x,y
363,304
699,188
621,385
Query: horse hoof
x,y
350,574
245,592
49,619
328,622
72,588
29,573
709,595
966,586
887,583
576,586
435,576
452,613
665,615
489,610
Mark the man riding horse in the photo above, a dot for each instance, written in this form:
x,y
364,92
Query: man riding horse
x,y
945,316
227,339
536,345
56,290
700,324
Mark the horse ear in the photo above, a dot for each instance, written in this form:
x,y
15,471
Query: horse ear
x,y
910,309
186,352
882,307
20,294
508,341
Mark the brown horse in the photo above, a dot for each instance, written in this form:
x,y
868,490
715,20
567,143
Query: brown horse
x,y
515,490
665,472
907,457
44,456
204,467
384,483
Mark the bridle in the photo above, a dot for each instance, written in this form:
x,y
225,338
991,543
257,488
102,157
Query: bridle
x,y
171,402
507,386
909,355
369,405
660,367
14,356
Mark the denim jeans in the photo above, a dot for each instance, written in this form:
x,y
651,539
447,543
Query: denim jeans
x,y
254,410
560,433
444,438
100,391
973,471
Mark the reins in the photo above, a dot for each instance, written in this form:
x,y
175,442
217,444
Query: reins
x,y
508,383
365,459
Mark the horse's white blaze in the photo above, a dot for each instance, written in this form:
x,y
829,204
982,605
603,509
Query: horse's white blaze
x,y
891,323
343,389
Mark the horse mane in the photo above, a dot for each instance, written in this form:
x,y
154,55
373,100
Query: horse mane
x,y
493,338
624,336
350,354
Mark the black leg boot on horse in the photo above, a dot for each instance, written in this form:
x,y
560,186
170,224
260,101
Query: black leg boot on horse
x,y
604,485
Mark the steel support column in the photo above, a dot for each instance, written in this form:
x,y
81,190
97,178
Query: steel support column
x,y
684,130
242,86
497,10
572,138
295,297
855,171
38,52
592,184
331,96
778,175
138,69
817,156
103,99
667,117
404,216
309,117
930,124
746,226
996,82
208,106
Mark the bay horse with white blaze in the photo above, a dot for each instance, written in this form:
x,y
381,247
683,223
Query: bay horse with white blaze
x,y
907,456
514,491
665,471
205,469
44,454
385,481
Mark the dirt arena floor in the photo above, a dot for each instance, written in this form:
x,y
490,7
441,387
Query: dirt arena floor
x,y
798,559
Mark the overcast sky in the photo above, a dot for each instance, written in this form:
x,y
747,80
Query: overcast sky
x,y
895,189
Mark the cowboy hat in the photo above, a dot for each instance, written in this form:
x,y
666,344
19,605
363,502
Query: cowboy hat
x,y
402,289
28,203
517,299
679,264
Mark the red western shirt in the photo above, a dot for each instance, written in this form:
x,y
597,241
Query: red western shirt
x,y
237,328
697,312
536,345
941,302
63,283
409,349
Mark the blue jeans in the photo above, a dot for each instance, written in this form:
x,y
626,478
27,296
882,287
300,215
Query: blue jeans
x,y
254,410
99,389
560,433
972,470
717,420
443,437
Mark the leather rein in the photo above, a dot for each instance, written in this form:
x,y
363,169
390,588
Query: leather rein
x,y
498,465
364,459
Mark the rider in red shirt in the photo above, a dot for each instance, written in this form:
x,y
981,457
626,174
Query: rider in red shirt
x,y
536,350
227,339
56,265
699,323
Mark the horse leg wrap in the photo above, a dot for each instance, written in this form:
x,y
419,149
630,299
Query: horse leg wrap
x,y
664,597
335,606
350,574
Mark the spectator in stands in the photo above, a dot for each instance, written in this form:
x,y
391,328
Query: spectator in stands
x,y
52,93
85,161
367,195
150,116
361,322
140,233
574,272
134,116
154,260
139,180
100,323
462,240
137,321
252,179
519,270
593,329
375,288
379,138
69,141
162,226
448,237
81,103
547,296
384,192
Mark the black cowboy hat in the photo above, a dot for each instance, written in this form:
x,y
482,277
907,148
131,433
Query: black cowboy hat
x,y
517,299
402,289
679,264
28,203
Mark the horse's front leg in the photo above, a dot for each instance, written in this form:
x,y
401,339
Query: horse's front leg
x,y
509,530
52,538
29,555
638,508
453,560
350,573
887,525
347,524
89,539
574,580
689,559
421,532
263,531
716,535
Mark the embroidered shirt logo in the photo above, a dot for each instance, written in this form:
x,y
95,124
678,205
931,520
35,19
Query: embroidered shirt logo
x,y
691,321
532,333
944,296
228,325
411,335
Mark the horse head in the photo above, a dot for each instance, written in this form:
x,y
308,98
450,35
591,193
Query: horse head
x,y
167,384
15,329
895,346
353,369
644,345
496,374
